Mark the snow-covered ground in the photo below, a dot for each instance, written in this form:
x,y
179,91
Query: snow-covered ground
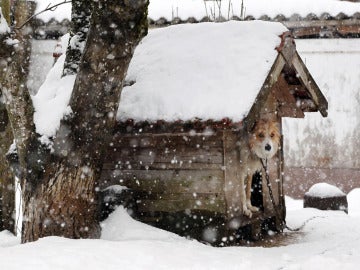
x,y
330,241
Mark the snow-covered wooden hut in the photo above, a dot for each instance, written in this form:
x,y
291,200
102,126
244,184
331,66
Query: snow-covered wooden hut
x,y
190,90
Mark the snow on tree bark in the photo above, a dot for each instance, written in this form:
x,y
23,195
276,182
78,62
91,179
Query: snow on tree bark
x,y
80,23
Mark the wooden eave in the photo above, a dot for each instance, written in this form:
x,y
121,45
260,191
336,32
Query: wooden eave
x,y
311,86
304,96
287,49
160,126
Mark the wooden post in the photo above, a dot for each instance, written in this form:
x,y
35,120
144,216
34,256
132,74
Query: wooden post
x,y
231,183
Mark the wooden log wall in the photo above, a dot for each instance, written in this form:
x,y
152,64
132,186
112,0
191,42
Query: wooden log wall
x,y
168,172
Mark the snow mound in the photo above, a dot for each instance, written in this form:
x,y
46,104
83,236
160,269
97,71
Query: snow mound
x,y
354,202
206,71
119,226
7,239
324,190
293,204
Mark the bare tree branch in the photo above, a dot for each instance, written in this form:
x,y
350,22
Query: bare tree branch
x,y
48,8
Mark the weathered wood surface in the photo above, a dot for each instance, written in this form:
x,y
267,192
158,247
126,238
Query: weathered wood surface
x,y
195,127
232,186
262,104
275,184
149,156
167,140
168,172
324,28
182,202
166,181
286,103
310,84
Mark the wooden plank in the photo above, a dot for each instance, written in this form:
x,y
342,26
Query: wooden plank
x,y
287,47
193,140
286,102
310,84
171,181
176,155
348,29
209,203
147,195
320,23
231,179
141,165
196,127
275,181
263,95
307,31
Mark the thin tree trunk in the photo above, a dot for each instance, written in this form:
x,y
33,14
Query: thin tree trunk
x,y
7,185
80,24
14,66
13,77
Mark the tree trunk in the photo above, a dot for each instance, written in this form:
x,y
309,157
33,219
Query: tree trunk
x,y
63,205
7,183
62,201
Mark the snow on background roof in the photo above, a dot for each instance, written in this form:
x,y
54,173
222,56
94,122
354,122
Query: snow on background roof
x,y
196,8
206,71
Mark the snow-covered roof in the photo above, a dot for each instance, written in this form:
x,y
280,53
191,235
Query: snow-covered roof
x,y
256,8
206,71
196,8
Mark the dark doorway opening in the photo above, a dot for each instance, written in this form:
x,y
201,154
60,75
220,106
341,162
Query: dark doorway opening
x,y
257,193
